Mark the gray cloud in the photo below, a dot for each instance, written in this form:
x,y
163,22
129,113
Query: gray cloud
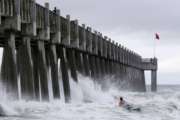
x,y
127,16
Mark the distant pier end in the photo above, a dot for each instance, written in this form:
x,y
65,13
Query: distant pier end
x,y
151,65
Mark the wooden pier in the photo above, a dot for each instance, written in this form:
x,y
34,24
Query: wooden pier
x,y
35,38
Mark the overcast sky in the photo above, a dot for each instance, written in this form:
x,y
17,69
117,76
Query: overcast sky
x,y
133,23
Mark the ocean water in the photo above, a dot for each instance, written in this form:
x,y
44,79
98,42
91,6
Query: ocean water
x,y
89,102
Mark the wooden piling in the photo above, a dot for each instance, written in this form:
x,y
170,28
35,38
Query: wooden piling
x,y
70,53
64,72
0,11
153,80
53,61
9,65
43,70
86,64
35,60
25,68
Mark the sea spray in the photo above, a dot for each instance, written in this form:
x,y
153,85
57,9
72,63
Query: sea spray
x,y
6,108
94,103
61,87
50,84
87,90
76,92
156,106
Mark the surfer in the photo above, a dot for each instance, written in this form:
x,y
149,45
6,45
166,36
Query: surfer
x,y
123,103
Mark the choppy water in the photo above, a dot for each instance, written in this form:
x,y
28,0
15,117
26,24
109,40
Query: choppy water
x,y
163,105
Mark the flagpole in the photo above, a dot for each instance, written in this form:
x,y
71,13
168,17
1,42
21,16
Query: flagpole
x,y
154,49
155,40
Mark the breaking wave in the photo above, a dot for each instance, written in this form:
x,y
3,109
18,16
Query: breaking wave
x,y
90,102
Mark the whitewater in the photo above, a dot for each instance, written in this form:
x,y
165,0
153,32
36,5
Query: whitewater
x,y
89,102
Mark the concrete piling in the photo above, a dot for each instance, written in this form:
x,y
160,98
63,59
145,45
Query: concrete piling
x,y
33,18
52,57
79,62
64,72
86,64
25,68
153,80
76,44
70,53
0,11
92,66
9,65
36,71
143,80
42,70
17,19
54,70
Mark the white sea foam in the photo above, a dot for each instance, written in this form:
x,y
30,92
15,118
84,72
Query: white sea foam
x,y
89,102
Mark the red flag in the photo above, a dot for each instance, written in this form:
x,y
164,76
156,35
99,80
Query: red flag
x,y
157,36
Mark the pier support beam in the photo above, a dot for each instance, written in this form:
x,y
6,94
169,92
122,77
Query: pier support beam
x,y
72,63
102,67
86,64
92,66
25,68
0,12
79,62
53,61
64,73
154,80
43,70
9,66
98,70
34,52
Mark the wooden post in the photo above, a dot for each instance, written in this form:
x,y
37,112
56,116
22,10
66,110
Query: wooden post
x,y
79,62
36,71
70,53
9,66
33,18
98,70
2,7
52,53
143,81
78,54
57,35
86,64
25,67
68,37
84,36
109,49
89,40
54,70
153,80
43,70
105,46
64,72
74,34
47,23
92,66
95,43
0,11
102,65
85,58
17,24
